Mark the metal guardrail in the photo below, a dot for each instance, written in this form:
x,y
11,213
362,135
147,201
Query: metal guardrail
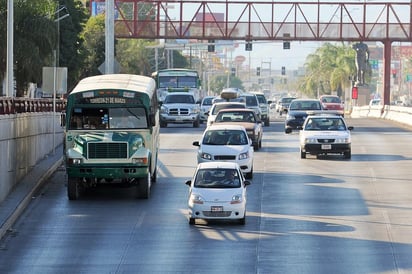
x,y
28,105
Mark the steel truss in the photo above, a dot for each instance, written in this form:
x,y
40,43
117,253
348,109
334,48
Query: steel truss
x,y
272,21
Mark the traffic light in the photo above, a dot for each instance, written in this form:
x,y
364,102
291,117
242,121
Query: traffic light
x,y
354,92
258,71
233,71
248,46
211,46
286,45
283,71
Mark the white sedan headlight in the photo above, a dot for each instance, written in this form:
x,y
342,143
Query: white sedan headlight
x,y
243,155
310,140
236,199
196,199
205,155
342,140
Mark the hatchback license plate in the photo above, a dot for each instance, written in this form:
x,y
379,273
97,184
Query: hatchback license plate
x,y
216,208
326,147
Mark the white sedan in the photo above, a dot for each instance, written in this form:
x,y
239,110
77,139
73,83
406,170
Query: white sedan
x,y
217,191
325,134
229,143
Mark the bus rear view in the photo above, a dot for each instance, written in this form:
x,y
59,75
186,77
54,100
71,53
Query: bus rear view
x,y
112,133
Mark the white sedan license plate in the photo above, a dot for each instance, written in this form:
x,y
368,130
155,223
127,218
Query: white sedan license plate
x,y
326,147
216,208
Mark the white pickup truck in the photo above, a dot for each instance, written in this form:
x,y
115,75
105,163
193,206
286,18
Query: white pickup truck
x,y
179,108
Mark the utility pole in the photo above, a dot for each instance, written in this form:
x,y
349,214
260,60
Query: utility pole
x,y
109,31
10,45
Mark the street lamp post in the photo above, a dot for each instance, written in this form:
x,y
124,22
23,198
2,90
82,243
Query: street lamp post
x,y
56,53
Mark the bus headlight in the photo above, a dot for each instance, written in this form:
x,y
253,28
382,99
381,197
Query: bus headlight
x,y
74,161
141,161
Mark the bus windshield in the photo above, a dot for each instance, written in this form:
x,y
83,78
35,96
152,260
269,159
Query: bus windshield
x,y
177,82
108,118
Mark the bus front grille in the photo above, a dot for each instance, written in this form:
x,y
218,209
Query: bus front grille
x,y
107,150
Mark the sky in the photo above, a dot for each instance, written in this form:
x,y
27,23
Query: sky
x,y
265,52
272,54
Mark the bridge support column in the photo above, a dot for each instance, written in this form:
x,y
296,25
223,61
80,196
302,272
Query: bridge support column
x,y
387,72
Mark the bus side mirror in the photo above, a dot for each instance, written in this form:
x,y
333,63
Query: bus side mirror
x,y
63,119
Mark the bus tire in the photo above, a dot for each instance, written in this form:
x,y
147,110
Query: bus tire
x,y
154,175
143,189
73,188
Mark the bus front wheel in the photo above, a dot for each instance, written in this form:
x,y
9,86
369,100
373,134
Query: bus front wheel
x,y
143,188
73,188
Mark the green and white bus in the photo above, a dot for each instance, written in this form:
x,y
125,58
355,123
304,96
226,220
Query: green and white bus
x,y
178,80
112,133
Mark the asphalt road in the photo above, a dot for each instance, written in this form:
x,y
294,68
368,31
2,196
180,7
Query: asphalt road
x,y
325,215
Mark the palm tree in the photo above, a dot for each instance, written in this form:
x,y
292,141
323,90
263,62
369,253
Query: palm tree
x,y
328,69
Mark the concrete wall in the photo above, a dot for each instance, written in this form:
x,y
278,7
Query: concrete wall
x,y
399,114
25,139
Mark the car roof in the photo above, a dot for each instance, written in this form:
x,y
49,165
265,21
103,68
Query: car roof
x,y
218,164
326,116
229,103
179,93
225,126
329,96
307,100
236,110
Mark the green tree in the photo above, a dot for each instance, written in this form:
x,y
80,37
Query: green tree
x,y
133,56
328,69
219,82
34,40
93,47
70,41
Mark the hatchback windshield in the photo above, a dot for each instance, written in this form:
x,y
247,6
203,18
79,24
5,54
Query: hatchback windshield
x,y
217,178
225,137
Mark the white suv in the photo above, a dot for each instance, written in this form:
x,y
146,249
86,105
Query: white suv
x,y
264,108
251,102
225,142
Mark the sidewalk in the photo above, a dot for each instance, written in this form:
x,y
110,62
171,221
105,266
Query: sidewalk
x,y
16,202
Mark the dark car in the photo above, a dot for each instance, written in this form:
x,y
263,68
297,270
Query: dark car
x,y
246,118
298,110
